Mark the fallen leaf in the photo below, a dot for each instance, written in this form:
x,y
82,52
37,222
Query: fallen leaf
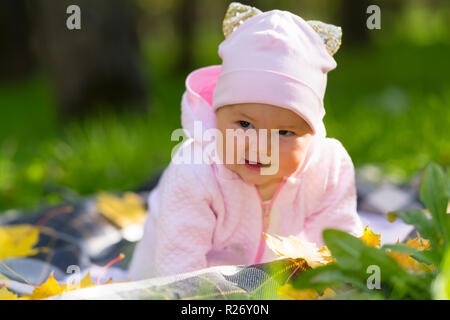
x,y
326,254
124,212
370,238
49,288
18,241
419,243
293,247
287,292
327,293
5,294
86,281
407,262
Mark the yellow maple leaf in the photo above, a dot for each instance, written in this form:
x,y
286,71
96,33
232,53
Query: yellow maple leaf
x,y
5,294
124,212
370,238
407,262
84,283
18,241
51,287
87,281
327,293
326,254
287,292
419,243
293,247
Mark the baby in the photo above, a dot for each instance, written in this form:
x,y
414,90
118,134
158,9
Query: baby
x,y
296,182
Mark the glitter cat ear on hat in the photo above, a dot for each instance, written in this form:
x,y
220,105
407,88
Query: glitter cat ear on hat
x,y
237,13
331,35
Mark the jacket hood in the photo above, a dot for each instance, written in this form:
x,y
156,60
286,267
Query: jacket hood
x,y
196,104
197,108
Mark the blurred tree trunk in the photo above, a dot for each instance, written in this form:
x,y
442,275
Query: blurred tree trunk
x,y
16,59
97,65
185,20
353,18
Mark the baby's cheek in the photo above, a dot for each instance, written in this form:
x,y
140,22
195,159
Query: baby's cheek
x,y
291,159
288,163
232,150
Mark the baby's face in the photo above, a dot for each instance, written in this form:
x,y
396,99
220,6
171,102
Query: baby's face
x,y
293,140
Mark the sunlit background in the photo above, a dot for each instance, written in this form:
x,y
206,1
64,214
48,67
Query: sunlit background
x,y
92,110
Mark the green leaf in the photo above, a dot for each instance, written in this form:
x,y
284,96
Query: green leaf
x,y
345,248
448,182
352,259
441,286
333,276
339,276
400,290
424,226
311,279
434,195
353,255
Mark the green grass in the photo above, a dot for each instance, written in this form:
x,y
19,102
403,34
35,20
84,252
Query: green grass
x,y
389,105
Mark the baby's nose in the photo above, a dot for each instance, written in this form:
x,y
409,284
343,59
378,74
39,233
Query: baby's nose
x,y
260,148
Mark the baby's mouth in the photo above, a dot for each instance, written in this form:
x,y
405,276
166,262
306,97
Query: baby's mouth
x,y
257,165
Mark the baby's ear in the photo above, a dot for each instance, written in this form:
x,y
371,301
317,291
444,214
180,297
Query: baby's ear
x,y
331,35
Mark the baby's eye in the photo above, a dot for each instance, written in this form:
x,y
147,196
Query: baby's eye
x,y
246,124
286,133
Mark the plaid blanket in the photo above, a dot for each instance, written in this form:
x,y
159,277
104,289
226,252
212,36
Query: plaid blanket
x,y
217,283
76,234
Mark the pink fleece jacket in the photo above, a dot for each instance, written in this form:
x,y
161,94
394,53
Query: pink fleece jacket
x,y
203,215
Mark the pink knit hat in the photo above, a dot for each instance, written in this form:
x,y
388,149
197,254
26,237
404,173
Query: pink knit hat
x,y
276,58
